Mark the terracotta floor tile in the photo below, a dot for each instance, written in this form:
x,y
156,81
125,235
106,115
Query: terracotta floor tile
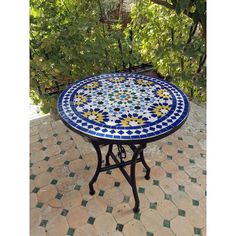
x,y
72,154
144,202
65,145
86,230
60,172
71,199
77,216
125,188
181,226
195,191
77,165
181,160
66,184
193,170
34,138
169,149
154,194
134,227
196,217
35,147
123,213
105,224
46,193
39,167
181,177
113,196
37,156
96,206
84,190
52,150
116,233
50,141
182,200
167,209
151,220
157,172
55,203
37,231
43,179
35,217
168,185
57,226
105,181
48,212
57,160
33,200
44,133
190,140
164,232
169,166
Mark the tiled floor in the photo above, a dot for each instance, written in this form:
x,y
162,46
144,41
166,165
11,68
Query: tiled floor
x,y
173,201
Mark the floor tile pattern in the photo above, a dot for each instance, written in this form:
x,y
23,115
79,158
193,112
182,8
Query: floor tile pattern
x,y
172,202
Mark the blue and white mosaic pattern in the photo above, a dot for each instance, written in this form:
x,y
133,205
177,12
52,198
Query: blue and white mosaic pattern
x,y
123,106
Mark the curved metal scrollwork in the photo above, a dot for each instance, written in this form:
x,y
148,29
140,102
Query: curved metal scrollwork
x,y
121,152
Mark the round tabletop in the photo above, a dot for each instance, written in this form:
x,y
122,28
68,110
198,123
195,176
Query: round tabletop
x,y
123,107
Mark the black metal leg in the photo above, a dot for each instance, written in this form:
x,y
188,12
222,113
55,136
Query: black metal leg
x,y
99,164
148,169
132,176
108,154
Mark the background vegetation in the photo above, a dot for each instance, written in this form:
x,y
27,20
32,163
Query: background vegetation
x,y
72,39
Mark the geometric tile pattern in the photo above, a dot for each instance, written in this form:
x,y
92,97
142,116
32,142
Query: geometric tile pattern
x,y
123,106
172,202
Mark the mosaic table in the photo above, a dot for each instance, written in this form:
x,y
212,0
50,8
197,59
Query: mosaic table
x,y
122,109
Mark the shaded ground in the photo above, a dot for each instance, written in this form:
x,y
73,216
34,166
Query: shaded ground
x,y
173,201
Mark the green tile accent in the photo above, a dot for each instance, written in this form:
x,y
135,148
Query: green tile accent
x,y
169,143
59,143
180,138
32,177
66,162
166,223
119,227
181,188
156,182
59,196
54,182
77,187
141,190
195,202
67,131
43,148
153,205
50,169
169,157
190,146
91,220
168,196
43,223
40,140
193,180
137,215
35,190
101,193
62,152
72,174
149,234
181,212
31,164
64,212
144,170
191,161
46,158
204,172
126,199
87,167
169,175
80,157
108,172
117,184
180,151
109,209
157,163
39,205
71,138
197,231
55,135
181,167
84,203
70,231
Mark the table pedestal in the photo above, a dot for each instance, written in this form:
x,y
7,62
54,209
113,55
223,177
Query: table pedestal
x,y
120,163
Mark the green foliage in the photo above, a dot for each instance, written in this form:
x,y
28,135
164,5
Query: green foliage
x,y
69,40
161,35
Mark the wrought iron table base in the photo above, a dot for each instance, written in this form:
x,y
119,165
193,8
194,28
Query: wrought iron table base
x,y
137,151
